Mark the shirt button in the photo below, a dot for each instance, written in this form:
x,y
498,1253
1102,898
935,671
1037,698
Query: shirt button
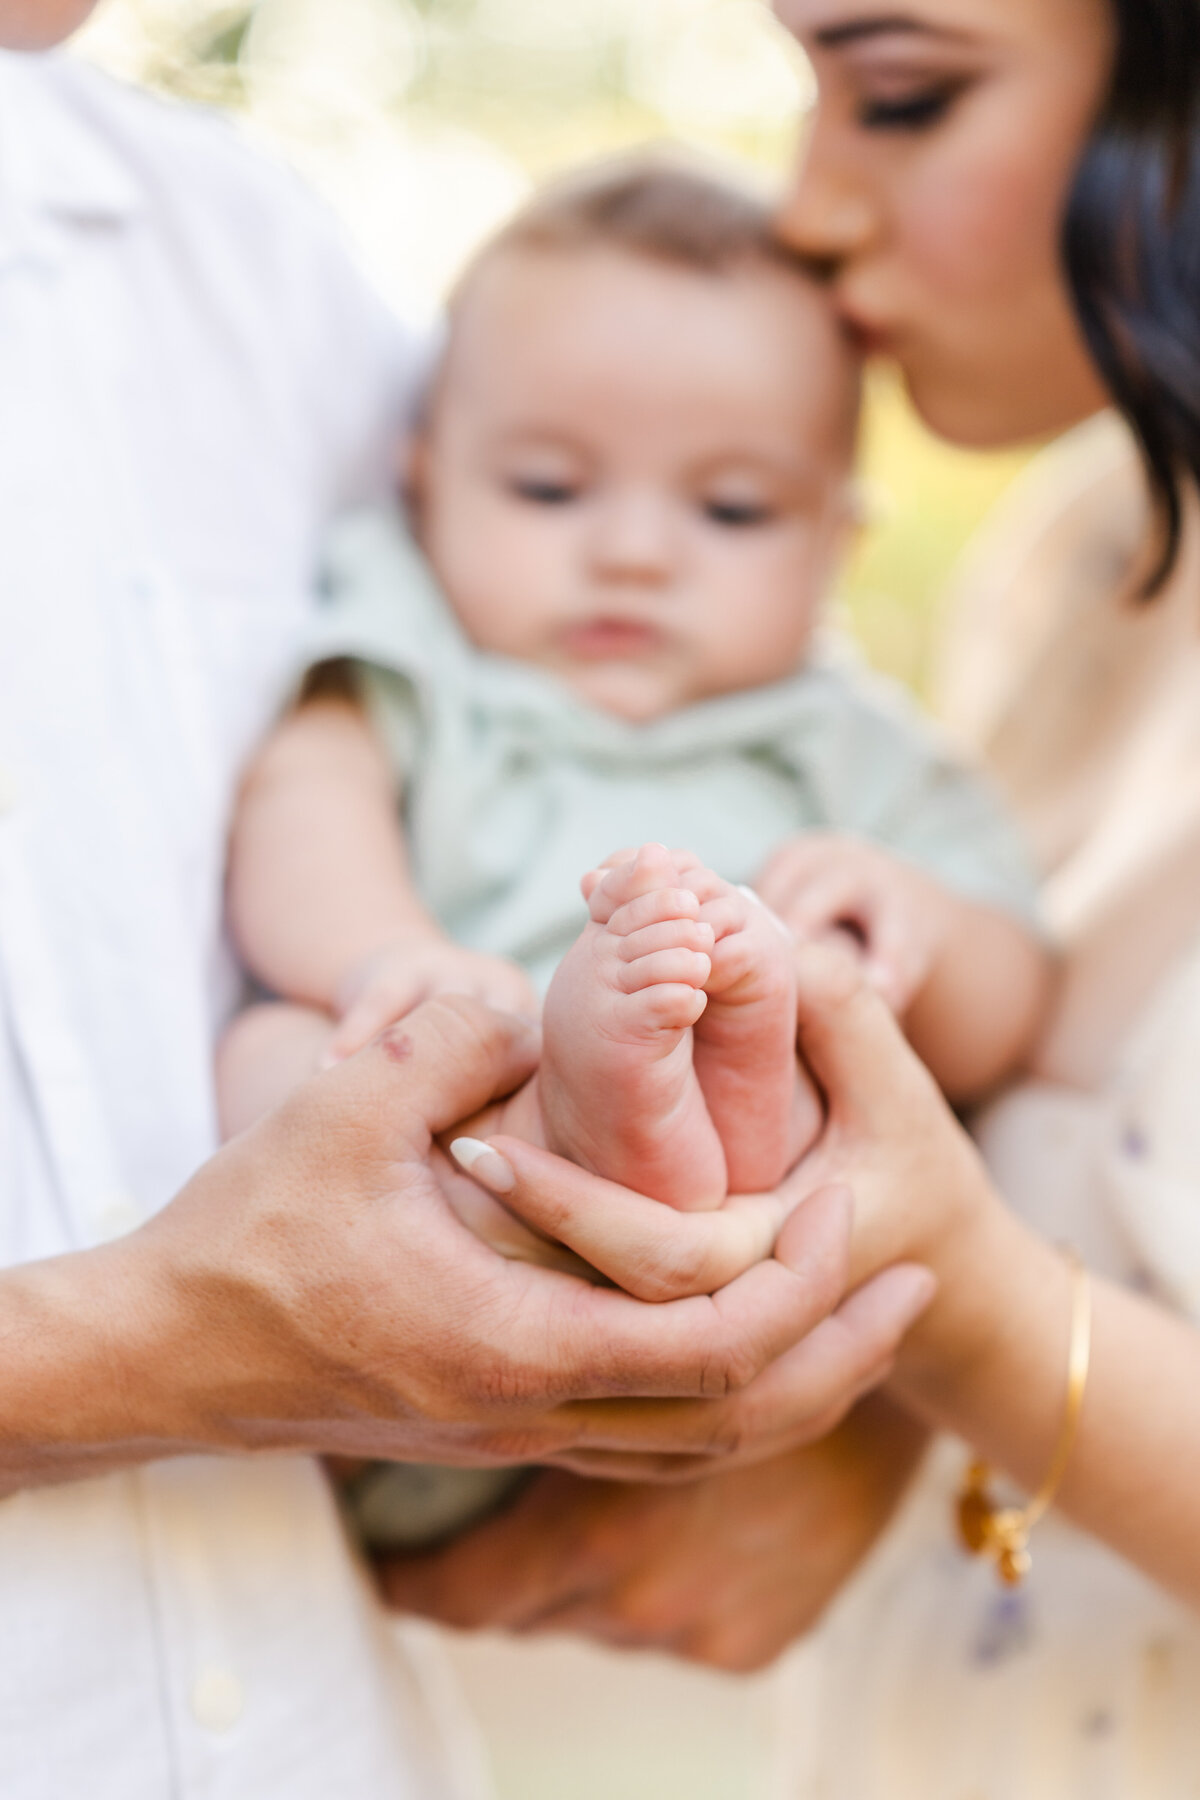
x,y
217,1700
118,1218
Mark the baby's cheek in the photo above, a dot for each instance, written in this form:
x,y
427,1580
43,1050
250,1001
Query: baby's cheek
x,y
494,581
763,626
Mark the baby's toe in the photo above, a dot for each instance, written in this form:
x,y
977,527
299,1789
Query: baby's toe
x,y
652,868
678,965
662,1005
664,906
666,934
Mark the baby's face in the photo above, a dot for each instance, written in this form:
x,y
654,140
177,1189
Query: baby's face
x,y
635,476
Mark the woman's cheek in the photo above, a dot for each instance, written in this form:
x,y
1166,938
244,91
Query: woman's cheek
x,y
985,235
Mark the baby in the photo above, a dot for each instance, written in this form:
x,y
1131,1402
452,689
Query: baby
x,y
628,496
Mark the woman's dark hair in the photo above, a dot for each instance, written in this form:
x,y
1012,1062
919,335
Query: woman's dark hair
x,y
1132,248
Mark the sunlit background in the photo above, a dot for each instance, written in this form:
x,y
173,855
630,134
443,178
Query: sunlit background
x,y
424,122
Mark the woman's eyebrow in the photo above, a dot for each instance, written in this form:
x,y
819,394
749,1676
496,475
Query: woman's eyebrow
x,y
853,31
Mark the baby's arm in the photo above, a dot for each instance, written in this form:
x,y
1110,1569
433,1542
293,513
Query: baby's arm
x,y
970,982
322,905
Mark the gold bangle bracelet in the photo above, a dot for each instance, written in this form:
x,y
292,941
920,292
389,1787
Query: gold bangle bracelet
x,y
1002,1532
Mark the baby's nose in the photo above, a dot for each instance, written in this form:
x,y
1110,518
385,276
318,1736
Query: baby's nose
x,y
635,538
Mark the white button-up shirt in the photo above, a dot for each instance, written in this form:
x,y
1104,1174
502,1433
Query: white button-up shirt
x,y
192,379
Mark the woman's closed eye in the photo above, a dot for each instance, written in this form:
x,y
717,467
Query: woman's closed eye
x,y
919,109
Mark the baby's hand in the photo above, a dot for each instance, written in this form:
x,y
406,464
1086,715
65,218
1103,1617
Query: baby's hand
x,y
898,917
394,980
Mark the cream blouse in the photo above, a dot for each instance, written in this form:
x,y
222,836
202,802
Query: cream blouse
x,y
928,1682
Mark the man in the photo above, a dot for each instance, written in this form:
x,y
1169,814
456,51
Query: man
x,y
193,380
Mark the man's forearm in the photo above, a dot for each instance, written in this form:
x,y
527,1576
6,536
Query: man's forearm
x,y
87,1356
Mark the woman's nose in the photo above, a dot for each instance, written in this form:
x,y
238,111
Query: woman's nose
x,y
827,216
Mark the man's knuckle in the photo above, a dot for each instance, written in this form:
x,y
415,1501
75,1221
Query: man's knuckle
x,y
671,1273
645,1610
715,1375
499,1384
517,1444
727,1648
735,1365
727,1433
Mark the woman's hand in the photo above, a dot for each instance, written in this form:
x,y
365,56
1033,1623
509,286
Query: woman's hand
x,y
826,885
726,1571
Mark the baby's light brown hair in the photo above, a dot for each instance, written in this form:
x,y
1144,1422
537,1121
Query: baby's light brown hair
x,y
648,205
651,205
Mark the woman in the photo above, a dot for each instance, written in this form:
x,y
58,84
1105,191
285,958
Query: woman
x,y
956,146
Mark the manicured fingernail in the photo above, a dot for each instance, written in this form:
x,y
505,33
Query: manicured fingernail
x,y
330,1060
774,917
484,1165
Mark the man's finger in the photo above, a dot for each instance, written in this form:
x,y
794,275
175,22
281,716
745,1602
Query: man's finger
x,y
797,1399
649,1250
447,1060
506,1573
361,1021
706,1346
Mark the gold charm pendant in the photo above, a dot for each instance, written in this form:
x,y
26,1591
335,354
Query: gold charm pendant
x,y
998,1532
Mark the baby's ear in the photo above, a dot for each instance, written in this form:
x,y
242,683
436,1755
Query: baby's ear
x,y
863,503
412,467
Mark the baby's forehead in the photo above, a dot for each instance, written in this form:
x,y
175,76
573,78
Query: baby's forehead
x,y
522,304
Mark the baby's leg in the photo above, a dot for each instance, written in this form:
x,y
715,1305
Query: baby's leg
x,y
617,1091
763,1104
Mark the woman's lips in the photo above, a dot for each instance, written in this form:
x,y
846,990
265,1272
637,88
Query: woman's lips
x,y
871,335
604,638
871,340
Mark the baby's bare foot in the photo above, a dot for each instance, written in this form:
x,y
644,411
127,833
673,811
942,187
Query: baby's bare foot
x,y
764,1107
617,1090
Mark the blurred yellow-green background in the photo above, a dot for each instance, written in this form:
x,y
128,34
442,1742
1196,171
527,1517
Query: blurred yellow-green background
x,y
424,122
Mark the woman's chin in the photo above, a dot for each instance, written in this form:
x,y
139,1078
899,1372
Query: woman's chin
x,y
980,415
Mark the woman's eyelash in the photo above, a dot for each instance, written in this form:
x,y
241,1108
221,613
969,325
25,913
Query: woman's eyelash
x,y
909,112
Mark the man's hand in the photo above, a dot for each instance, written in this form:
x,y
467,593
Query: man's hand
x,y
311,1289
726,1571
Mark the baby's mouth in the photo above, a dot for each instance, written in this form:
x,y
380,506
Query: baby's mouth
x,y
606,637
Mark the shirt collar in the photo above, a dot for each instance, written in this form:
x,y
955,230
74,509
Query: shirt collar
x,y
55,166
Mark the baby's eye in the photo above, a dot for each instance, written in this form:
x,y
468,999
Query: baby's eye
x,y
737,514
542,490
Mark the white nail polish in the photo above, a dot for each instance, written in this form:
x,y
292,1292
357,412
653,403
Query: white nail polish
x,y
477,1158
